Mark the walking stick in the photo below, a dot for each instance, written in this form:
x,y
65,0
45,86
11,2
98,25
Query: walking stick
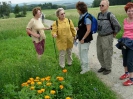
x,y
55,49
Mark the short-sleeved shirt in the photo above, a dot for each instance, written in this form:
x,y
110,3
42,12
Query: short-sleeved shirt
x,y
36,25
87,20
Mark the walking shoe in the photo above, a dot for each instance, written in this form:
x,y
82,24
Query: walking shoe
x,y
101,70
128,83
83,71
105,72
124,76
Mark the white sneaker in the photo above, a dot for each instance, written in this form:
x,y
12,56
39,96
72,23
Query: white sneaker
x,y
83,71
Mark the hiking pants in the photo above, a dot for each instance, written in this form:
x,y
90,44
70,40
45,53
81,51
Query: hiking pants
x,y
62,55
83,54
105,50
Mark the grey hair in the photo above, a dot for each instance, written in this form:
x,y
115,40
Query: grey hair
x,y
107,1
58,10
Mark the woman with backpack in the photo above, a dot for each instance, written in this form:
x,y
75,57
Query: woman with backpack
x,y
84,35
35,30
64,32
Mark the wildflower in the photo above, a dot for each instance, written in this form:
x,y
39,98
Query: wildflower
x,y
39,83
47,97
32,83
42,90
37,78
31,79
28,81
61,86
68,98
52,91
32,88
48,84
24,84
42,79
64,70
39,91
47,78
60,78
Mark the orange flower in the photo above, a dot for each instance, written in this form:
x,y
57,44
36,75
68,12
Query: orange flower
x,y
64,70
52,91
32,83
24,84
47,78
60,78
37,78
31,79
28,81
61,86
42,79
47,97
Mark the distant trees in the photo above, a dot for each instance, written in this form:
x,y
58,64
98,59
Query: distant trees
x,y
112,2
20,11
5,9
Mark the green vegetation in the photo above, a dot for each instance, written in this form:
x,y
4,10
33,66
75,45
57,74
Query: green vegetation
x,y
18,58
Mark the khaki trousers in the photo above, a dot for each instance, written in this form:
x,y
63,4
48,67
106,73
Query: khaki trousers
x,y
62,55
105,51
83,54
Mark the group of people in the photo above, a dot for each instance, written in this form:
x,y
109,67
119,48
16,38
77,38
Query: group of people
x,y
65,33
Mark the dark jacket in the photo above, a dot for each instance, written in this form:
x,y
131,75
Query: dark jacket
x,y
82,30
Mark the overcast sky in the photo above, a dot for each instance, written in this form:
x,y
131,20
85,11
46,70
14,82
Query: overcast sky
x,y
25,1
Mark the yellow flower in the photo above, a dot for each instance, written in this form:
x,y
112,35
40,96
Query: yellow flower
x,y
42,79
24,84
39,83
31,79
48,84
32,88
52,91
47,78
64,70
47,97
42,90
32,83
68,98
39,91
61,86
37,78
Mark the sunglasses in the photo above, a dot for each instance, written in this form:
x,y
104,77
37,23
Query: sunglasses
x,y
62,14
101,5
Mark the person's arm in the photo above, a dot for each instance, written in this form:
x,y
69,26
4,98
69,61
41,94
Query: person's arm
x,y
54,30
32,33
73,30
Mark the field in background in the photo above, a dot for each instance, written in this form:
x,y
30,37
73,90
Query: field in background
x,y
18,58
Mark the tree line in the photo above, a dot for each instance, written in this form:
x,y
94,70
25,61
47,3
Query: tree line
x,y
112,2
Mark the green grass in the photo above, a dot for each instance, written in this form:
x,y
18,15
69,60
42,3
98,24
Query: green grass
x,y
18,57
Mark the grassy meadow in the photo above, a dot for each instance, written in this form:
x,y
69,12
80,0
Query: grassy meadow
x,y
18,57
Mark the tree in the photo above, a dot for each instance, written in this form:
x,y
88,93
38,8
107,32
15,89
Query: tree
x,y
16,9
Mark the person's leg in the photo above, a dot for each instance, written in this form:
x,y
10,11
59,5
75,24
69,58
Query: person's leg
x,y
100,53
62,54
43,45
107,46
69,56
130,68
39,50
79,48
124,54
84,58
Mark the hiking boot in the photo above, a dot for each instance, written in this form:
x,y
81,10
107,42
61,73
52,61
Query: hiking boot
x,y
124,76
105,72
101,70
128,83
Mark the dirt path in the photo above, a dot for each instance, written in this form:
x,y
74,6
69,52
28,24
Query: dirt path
x,y
112,79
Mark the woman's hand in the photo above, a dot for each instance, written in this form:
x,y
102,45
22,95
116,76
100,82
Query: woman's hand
x,y
82,41
54,35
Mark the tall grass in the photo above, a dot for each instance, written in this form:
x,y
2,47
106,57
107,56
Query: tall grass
x,y
18,58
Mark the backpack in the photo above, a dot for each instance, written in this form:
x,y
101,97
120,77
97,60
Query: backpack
x,y
108,18
57,22
94,24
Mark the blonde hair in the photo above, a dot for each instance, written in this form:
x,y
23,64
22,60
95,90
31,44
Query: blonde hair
x,y
107,1
58,10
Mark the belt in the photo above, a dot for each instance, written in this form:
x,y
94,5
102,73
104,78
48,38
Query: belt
x,y
106,34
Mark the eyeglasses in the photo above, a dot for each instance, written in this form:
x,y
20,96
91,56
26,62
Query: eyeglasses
x,y
62,14
101,5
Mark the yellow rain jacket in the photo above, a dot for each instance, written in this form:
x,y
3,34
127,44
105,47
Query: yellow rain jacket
x,y
65,32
